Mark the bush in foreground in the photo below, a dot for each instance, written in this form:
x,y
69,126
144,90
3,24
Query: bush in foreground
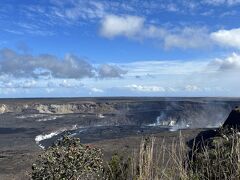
x,y
68,159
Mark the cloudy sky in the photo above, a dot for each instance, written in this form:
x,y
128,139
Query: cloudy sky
x,y
56,48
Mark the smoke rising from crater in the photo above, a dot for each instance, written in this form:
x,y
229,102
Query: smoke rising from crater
x,y
180,116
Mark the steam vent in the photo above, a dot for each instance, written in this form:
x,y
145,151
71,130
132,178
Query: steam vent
x,y
233,120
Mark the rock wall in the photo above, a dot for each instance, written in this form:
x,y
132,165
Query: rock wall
x,y
67,108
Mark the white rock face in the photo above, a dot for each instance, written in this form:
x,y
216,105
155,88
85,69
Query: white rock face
x,y
3,109
64,108
55,108
42,108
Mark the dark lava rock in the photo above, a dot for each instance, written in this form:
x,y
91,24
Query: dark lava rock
x,y
202,138
208,137
233,120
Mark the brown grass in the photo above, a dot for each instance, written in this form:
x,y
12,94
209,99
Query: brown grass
x,y
219,158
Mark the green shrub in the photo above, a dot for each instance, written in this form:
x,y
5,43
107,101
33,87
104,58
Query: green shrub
x,y
68,159
118,168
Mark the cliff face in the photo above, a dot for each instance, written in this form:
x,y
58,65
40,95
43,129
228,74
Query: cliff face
x,y
183,114
49,108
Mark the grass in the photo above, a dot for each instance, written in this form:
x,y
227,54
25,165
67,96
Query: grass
x,y
216,158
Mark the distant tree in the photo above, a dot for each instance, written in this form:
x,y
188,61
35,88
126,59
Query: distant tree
x,y
68,159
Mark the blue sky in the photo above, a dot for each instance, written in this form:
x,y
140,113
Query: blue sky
x,y
55,48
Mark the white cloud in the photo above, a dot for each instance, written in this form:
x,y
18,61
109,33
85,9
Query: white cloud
x,y
65,83
23,84
21,65
60,84
97,90
134,27
171,78
191,88
222,2
110,71
228,38
75,10
231,63
26,65
188,38
129,26
164,67
144,88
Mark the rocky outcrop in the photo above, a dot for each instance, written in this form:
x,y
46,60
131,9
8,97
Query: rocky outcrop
x,y
230,126
233,120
